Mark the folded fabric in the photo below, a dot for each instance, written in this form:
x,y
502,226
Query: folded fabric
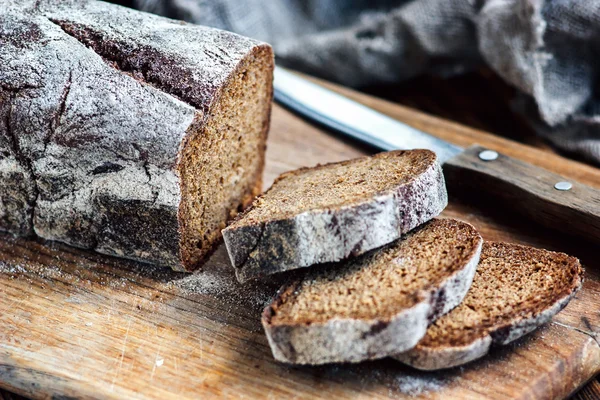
x,y
544,48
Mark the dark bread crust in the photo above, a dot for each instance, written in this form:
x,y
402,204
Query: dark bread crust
x,y
95,148
358,339
263,248
525,320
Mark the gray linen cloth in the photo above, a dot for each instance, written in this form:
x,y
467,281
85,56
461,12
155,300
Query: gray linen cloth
x,y
548,49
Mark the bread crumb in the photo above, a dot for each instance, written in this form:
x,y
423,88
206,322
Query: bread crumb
x,y
415,385
218,280
401,380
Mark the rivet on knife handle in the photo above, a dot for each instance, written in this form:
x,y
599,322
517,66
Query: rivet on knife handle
x,y
541,195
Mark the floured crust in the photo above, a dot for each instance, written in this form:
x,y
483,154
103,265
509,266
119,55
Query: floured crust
x,y
433,357
97,104
357,339
323,235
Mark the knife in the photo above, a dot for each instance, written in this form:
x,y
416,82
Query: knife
x,y
545,197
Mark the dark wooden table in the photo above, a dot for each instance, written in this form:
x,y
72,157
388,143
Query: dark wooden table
x,y
477,99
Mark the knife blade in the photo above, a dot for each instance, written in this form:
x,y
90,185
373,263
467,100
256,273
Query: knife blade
x,y
354,119
545,197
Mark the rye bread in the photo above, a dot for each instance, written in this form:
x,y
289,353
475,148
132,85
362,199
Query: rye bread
x,y
515,290
334,211
128,133
376,304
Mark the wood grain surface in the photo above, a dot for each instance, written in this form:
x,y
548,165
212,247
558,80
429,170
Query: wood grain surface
x,y
530,189
590,392
82,325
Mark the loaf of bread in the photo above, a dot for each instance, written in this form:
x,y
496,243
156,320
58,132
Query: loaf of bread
x,y
128,133
515,290
335,211
372,306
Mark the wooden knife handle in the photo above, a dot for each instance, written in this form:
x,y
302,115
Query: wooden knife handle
x,y
528,189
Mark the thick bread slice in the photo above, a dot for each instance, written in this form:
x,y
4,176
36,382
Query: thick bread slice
x,y
373,306
515,290
333,211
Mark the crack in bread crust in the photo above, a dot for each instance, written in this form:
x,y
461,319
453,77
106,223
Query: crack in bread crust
x,y
104,143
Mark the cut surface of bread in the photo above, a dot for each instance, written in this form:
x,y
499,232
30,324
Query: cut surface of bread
x,y
334,211
516,289
221,167
373,305
222,157
141,137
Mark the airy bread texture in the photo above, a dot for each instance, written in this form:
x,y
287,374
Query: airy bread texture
x,y
515,290
374,305
335,211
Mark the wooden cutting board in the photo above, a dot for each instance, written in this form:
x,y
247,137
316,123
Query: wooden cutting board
x,y
77,324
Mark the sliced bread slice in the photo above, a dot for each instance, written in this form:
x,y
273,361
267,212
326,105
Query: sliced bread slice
x,y
376,304
333,211
515,290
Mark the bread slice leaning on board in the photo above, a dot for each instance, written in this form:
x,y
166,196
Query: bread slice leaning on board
x,y
334,211
515,290
375,305
128,133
